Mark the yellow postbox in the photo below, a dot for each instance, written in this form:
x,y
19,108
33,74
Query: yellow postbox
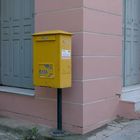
x,y
52,59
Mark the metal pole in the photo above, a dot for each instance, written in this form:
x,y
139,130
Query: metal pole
x,y
59,109
59,132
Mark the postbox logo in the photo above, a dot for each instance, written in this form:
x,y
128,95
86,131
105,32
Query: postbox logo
x,y
46,71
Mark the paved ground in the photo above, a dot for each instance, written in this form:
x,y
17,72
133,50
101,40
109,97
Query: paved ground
x,y
9,136
129,132
120,129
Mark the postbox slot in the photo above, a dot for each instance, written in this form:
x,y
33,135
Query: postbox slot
x,y
46,38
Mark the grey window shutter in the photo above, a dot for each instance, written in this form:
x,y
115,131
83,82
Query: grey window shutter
x,y
16,42
132,43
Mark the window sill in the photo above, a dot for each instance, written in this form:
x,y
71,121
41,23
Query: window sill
x,y
131,88
131,93
19,91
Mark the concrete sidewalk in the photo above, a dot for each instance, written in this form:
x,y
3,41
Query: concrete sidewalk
x,y
120,129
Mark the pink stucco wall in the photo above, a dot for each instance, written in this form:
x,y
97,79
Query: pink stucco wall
x,y
97,42
66,15
102,52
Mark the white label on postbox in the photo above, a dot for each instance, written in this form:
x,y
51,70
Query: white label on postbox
x,y
66,54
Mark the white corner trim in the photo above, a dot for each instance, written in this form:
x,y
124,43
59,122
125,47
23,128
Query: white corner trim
x,y
19,91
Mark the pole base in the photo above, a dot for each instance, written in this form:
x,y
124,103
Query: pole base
x,y
58,133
